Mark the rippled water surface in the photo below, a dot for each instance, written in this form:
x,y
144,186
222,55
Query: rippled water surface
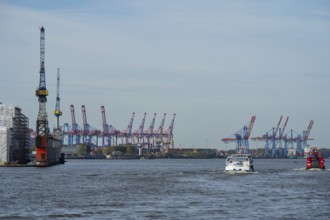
x,y
165,189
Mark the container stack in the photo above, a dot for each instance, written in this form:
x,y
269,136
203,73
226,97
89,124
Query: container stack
x,y
14,135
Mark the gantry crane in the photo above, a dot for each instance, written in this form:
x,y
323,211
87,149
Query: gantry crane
x,y
127,134
75,131
138,134
106,136
85,131
160,132
283,137
150,132
241,137
169,134
302,138
270,139
90,134
110,133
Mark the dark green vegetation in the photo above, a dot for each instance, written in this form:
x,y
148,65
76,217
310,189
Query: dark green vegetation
x,y
129,151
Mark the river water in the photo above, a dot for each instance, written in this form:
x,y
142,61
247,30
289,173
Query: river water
x,y
165,189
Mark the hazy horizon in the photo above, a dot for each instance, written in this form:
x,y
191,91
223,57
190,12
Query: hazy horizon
x,y
213,63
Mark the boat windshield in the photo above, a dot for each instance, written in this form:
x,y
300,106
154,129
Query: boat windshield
x,y
238,159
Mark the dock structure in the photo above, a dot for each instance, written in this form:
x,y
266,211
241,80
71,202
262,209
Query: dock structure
x,y
161,139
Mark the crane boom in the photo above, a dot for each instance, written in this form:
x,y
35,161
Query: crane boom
x,y
170,128
104,120
150,130
284,126
308,131
249,130
141,127
161,126
85,124
130,125
278,125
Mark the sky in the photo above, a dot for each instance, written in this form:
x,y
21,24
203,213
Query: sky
x,y
213,63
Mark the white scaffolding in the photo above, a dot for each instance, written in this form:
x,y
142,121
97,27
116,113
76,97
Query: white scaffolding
x,y
14,135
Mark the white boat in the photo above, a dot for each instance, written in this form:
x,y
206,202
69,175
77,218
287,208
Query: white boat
x,y
239,163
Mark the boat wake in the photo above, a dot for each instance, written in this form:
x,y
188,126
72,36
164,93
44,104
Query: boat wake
x,y
300,169
238,172
311,169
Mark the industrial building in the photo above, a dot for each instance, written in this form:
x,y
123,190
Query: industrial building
x,y
14,135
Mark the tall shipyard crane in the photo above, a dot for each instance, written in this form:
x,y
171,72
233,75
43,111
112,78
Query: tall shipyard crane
x,y
90,134
42,129
109,134
106,136
150,132
85,131
169,134
160,132
241,137
75,131
127,134
274,137
57,112
284,138
301,139
138,134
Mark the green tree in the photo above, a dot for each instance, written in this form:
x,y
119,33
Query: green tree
x,y
129,149
83,150
99,151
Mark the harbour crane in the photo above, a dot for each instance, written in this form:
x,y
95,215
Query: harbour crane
x,y
106,136
273,137
75,130
150,132
85,131
110,133
42,130
160,132
270,139
127,134
138,134
48,146
283,137
57,112
169,134
302,138
90,134
241,137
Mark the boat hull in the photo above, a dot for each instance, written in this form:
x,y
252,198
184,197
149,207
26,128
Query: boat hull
x,y
315,160
242,163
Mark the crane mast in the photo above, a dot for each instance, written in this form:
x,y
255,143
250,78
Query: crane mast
x,y
42,92
58,111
